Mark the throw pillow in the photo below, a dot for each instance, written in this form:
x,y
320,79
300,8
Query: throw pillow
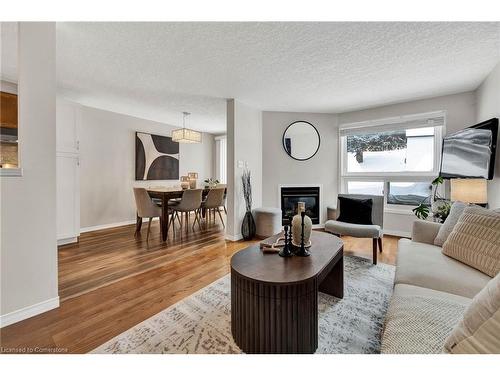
x,y
355,211
479,329
475,240
455,211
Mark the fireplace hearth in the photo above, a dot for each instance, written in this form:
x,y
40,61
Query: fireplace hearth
x,y
290,196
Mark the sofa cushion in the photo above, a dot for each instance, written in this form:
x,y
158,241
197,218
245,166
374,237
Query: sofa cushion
x,y
479,329
426,266
456,210
419,320
475,240
355,230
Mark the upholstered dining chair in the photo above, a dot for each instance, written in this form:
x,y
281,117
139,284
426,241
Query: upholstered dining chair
x,y
373,231
190,202
214,201
223,186
146,208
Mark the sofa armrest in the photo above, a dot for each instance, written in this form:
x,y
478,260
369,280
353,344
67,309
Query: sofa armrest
x,y
424,231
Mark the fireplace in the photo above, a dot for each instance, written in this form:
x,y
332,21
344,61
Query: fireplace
x,y
290,196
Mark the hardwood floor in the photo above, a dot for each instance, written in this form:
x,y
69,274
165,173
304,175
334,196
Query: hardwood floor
x,y
111,281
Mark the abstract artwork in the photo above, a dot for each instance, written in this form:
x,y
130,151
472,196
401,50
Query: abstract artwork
x,y
156,157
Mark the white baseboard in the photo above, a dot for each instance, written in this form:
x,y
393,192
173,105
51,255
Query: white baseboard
x,y
66,241
106,226
111,225
28,312
234,238
398,233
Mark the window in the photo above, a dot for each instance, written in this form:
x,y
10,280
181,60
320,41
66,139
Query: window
x,y
365,187
409,193
220,159
409,150
397,157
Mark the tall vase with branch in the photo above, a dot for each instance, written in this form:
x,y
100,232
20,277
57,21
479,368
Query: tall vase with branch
x,y
248,224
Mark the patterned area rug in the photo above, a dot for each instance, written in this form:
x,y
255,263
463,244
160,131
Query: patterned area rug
x,y
201,323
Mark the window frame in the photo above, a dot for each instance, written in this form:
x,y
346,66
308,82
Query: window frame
x,y
386,177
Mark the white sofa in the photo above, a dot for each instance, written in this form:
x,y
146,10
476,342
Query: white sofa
x,y
431,292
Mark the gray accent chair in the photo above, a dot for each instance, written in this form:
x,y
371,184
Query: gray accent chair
x,y
374,231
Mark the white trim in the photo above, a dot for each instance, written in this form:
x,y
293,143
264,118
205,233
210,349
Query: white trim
x,y
398,233
219,137
66,241
393,120
111,225
234,238
28,312
106,226
11,172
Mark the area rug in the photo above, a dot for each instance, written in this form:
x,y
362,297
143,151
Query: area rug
x,y
201,323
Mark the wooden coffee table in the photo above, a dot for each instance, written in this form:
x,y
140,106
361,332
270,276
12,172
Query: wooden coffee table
x,y
274,300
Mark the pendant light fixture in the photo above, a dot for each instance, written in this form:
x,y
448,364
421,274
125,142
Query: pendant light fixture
x,y
186,135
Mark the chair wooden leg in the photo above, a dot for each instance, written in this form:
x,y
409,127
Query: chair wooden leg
x,y
374,251
225,210
149,228
198,215
138,225
380,244
220,215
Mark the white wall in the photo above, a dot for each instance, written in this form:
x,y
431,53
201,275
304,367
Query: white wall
x,y
280,169
244,150
488,106
107,164
460,113
28,204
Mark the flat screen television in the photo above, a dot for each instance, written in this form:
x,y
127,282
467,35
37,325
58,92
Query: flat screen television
x,y
470,153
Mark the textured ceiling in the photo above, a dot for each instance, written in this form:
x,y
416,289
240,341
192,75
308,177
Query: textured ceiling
x,y
158,70
8,51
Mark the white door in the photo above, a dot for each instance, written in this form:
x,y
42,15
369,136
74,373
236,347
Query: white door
x,y
68,119
68,198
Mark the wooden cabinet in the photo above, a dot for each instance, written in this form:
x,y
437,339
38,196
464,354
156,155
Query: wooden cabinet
x,y
8,110
68,118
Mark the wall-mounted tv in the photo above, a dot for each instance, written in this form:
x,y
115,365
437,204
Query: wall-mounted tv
x,y
470,153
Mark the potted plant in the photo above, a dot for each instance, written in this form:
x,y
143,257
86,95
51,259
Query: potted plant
x,y
248,225
440,207
211,183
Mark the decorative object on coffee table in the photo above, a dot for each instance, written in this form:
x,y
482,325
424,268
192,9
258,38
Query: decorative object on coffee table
x,y
302,251
248,224
274,301
286,251
297,228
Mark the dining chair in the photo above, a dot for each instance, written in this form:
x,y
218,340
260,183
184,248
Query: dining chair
x,y
223,186
190,202
146,208
214,201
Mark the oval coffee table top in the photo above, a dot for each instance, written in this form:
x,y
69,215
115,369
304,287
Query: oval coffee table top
x,y
253,263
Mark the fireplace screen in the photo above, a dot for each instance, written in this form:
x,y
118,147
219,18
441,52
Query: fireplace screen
x,y
290,196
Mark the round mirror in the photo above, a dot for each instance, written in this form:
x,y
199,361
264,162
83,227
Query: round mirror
x,y
301,140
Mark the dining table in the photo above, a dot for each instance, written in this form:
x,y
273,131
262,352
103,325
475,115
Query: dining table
x,y
165,194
